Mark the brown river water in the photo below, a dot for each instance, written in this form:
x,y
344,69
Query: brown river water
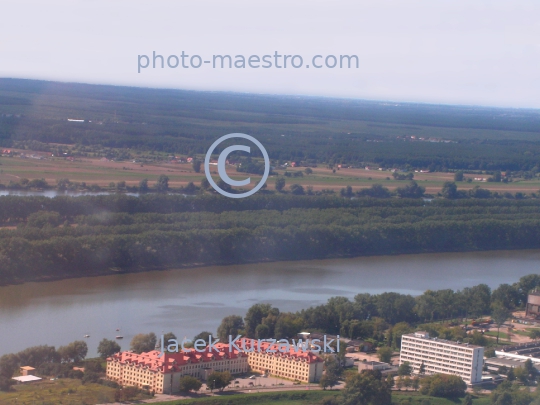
x,y
188,301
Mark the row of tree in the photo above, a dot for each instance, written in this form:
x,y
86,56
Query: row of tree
x,y
14,209
92,235
386,317
47,360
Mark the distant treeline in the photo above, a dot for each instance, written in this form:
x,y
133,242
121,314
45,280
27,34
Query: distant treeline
x,y
309,130
73,237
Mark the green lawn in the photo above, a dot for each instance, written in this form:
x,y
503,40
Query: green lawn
x,y
415,398
524,333
268,398
502,335
72,392
311,398
64,391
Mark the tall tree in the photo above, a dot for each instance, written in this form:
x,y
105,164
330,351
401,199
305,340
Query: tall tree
x,y
254,317
405,369
385,354
162,184
168,336
366,388
477,299
230,325
332,371
390,380
203,335
280,183
107,348
189,383
395,307
422,369
500,314
449,190
506,296
297,189
143,342
143,186
73,352
411,190
219,380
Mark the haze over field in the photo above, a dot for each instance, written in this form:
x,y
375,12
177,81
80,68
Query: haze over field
x,y
460,52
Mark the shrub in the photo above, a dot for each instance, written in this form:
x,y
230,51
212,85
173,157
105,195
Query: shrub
x,y
90,377
442,385
75,374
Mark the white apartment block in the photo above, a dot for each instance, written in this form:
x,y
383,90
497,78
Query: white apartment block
x,y
442,356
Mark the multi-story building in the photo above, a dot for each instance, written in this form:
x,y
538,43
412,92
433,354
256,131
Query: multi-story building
x,y
304,366
442,356
162,374
533,304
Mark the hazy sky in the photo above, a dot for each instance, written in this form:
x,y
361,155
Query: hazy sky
x,y
442,51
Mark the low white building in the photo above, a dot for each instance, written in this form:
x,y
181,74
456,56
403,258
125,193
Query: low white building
x,y
442,356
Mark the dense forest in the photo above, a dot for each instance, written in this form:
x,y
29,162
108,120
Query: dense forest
x,y
71,237
303,129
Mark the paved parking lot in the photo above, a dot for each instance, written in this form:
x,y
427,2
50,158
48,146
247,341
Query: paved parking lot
x,y
259,382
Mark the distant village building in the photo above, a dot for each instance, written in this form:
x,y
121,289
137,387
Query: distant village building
x,y
26,375
27,370
533,305
359,345
442,356
23,379
384,368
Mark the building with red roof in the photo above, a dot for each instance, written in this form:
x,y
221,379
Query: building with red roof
x,y
293,364
162,374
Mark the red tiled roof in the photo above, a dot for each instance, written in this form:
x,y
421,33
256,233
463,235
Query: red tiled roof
x,y
171,362
299,355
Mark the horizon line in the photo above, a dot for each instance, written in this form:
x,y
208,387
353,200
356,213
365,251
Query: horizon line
x,y
263,94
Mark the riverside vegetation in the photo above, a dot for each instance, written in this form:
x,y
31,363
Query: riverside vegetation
x,y
43,238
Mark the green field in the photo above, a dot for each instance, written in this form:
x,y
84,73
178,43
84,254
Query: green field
x,y
311,398
93,171
71,392
321,131
59,392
